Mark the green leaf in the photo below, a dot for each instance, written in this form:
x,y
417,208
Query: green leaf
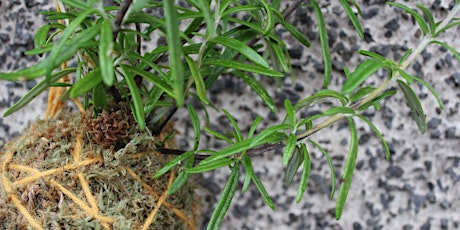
x,y
424,83
41,36
415,107
420,20
210,166
105,53
172,163
239,135
217,135
353,18
88,82
378,133
242,48
249,172
158,81
290,147
229,151
83,5
225,199
320,95
429,16
323,38
262,136
152,99
278,57
239,9
348,171
254,125
290,113
305,173
292,166
259,89
448,47
269,18
180,180
199,82
244,67
36,90
138,109
263,191
295,33
205,10
99,97
376,100
196,125
361,73
331,167
175,52
374,55
361,92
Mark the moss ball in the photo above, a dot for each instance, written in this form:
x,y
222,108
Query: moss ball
x,y
57,176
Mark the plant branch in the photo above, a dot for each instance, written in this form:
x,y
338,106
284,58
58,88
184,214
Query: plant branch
x,y
331,120
119,17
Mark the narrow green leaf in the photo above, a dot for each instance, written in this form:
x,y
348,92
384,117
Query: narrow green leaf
x,y
319,96
199,82
450,25
225,199
331,166
105,53
424,83
196,125
99,97
448,47
361,92
415,107
239,8
239,135
404,57
374,55
30,73
254,125
152,99
277,55
138,109
36,90
420,20
242,48
354,20
205,9
259,89
305,173
244,67
290,147
378,133
182,178
175,52
290,113
429,17
41,36
293,166
377,99
323,38
83,5
210,166
217,135
269,19
361,73
263,191
262,136
348,171
249,172
295,33
158,81
86,83
172,163
229,151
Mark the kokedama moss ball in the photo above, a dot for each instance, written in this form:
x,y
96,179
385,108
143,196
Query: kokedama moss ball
x,y
80,172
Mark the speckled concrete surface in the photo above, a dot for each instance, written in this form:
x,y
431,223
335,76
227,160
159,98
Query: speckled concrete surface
x,y
417,189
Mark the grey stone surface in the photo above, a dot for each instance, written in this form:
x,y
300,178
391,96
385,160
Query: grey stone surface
x,y
417,189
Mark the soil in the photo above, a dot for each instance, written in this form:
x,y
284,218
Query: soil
x,y
417,189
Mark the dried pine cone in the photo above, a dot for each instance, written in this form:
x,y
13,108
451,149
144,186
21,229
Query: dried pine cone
x,y
111,127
